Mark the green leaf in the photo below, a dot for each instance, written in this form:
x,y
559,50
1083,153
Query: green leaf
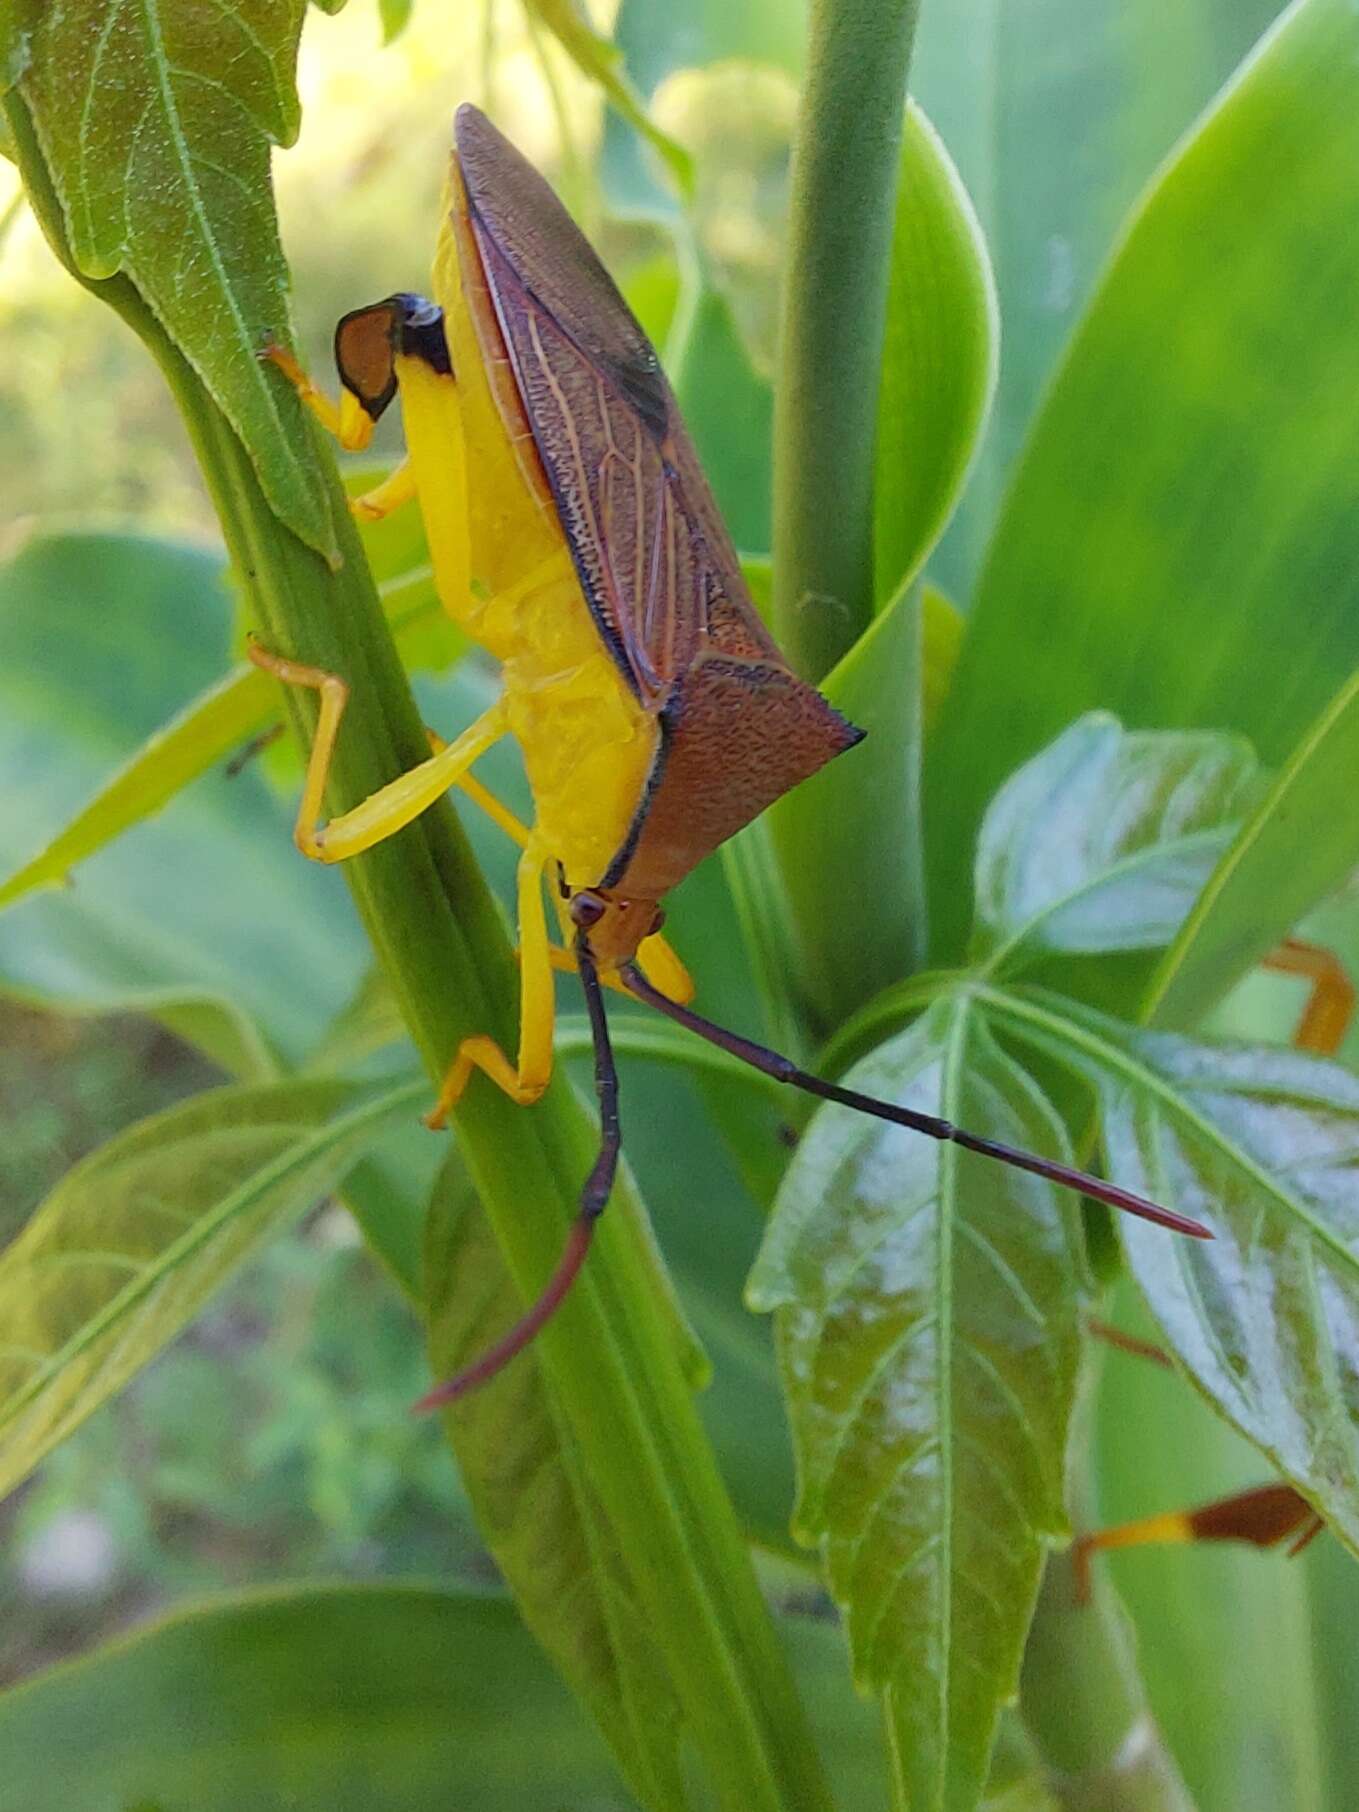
x,y
1013,88
206,731
232,709
536,1508
1206,1606
333,1699
941,634
133,1241
849,839
1260,1144
1297,847
939,357
729,409
156,125
1105,840
205,911
355,1698
927,1339
1178,540
395,16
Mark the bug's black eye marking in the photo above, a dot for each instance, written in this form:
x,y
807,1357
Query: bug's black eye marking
x,y
420,332
587,909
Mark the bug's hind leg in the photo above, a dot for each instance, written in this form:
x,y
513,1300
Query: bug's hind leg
x,y
525,1080
1330,1004
393,806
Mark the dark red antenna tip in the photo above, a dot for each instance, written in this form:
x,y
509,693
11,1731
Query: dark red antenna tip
x,y
594,1197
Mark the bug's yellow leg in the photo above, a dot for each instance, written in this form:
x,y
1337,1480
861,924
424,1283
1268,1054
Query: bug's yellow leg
x,y
1264,1516
514,828
525,1080
1330,1005
393,806
563,960
397,487
349,422
664,970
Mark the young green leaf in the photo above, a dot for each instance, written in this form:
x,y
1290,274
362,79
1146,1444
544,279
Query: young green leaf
x,y
1260,1144
940,356
926,1306
1178,540
1297,847
1105,840
133,1241
156,124
535,1506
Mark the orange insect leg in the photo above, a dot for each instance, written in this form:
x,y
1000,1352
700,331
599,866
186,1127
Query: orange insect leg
x,y
1330,1004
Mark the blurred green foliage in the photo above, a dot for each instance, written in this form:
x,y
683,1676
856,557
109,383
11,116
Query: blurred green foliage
x,y
1155,521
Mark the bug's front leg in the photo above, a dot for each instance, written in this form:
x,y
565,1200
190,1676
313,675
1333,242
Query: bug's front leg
x,y
393,806
352,426
348,421
525,1080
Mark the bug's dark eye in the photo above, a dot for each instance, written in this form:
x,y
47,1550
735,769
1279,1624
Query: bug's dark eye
x,y
587,909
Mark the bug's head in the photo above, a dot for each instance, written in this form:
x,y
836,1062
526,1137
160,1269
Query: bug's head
x,y
613,926
369,340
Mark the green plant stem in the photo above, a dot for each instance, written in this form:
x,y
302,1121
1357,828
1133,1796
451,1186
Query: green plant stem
x,y
845,164
611,1357
1081,1695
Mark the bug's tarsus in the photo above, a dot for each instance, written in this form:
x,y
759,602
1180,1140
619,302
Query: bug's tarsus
x,y
783,1069
594,1198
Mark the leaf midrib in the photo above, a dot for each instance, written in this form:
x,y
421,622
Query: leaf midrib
x,y
181,1250
1119,870
1138,1075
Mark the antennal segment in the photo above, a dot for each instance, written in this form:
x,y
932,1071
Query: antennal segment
x,y
594,1197
783,1069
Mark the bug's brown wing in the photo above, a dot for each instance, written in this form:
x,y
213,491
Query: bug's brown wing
x,y
654,558
655,562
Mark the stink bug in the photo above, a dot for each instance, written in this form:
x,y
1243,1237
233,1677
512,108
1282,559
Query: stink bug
x,y
573,534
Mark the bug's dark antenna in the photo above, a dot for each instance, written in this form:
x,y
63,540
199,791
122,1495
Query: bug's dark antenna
x,y
782,1069
593,1197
